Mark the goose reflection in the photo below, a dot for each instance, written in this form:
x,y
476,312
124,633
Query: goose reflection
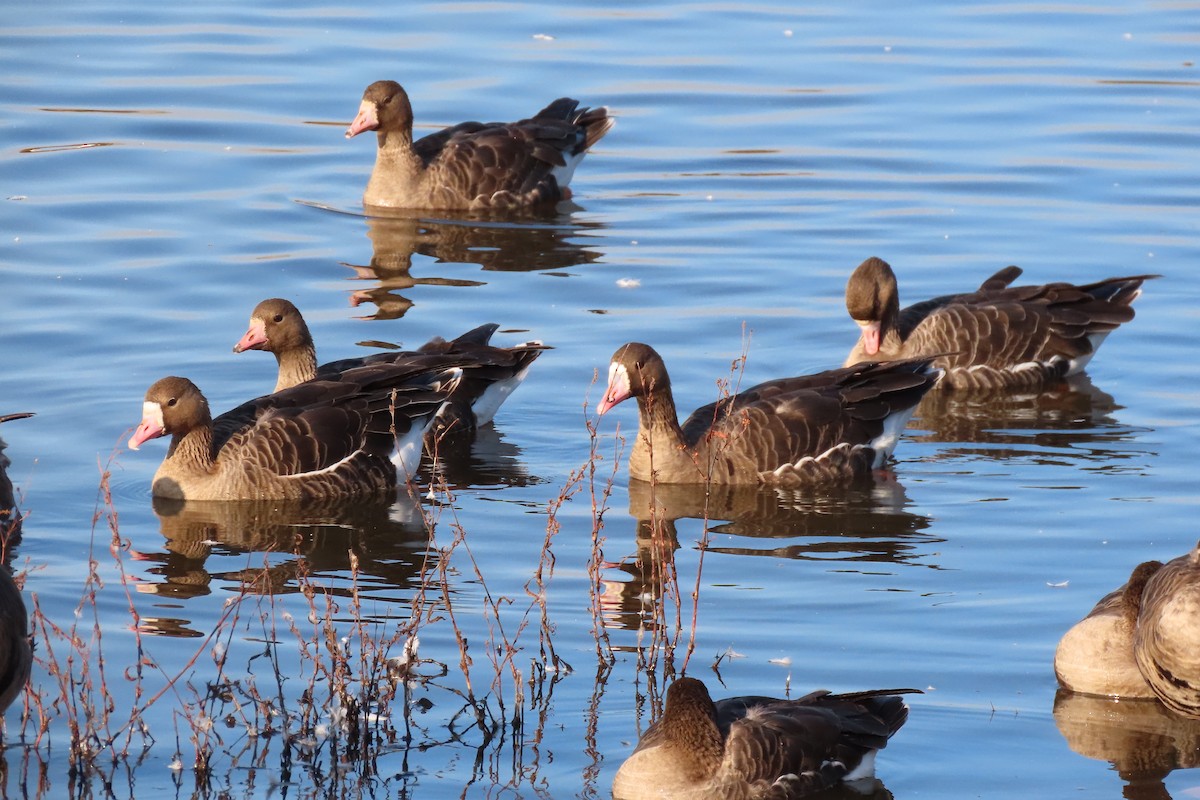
x,y
1142,740
1072,420
485,459
389,540
866,522
521,245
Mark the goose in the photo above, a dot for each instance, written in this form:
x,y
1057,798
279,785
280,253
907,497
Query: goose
x,y
10,517
490,374
354,434
1166,643
758,747
16,651
830,426
1096,655
997,338
473,165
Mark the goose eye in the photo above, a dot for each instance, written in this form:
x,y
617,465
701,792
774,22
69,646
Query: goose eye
x,y
279,317
172,402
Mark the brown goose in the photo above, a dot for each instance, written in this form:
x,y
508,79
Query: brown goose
x,y
831,426
490,374
999,337
1167,642
474,165
348,435
1096,655
10,517
758,747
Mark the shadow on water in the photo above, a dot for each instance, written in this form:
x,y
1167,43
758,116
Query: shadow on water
x,y
1141,739
1068,423
533,244
864,523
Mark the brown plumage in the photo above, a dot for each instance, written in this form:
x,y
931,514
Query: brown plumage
x,y
999,337
16,651
1096,655
758,747
830,426
348,435
490,374
10,516
1167,642
474,165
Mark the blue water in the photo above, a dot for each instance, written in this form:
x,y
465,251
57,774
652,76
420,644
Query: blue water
x,y
165,168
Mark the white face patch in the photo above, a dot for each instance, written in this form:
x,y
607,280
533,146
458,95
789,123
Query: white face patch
x,y
152,413
618,387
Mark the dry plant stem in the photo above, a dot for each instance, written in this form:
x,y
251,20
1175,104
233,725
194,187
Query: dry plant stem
x,y
604,650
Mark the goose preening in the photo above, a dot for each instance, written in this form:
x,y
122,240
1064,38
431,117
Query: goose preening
x,y
356,433
1096,655
1166,643
830,426
10,516
998,337
474,165
758,747
490,373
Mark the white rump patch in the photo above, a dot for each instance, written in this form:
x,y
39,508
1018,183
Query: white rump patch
x,y
893,426
409,446
487,404
865,768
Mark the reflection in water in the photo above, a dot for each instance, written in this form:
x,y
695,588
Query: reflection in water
x,y
1071,420
483,459
865,522
388,539
1141,739
534,243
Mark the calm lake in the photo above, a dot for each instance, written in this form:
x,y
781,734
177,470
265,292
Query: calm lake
x,y
167,166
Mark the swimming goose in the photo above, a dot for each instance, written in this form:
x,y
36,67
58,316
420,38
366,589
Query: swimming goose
x,y
490,374
1167,641
349,435
474,165
10,517
830,426
758,747
1096,655
999,337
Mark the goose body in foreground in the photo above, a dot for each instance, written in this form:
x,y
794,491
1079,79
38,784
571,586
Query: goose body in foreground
x,y
1167,641
1096,655
474,165
490,374
999,337
16,651
758,747
827,427
352,435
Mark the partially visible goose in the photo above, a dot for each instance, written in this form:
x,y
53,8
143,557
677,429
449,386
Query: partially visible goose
x,y
758,747
346,436
1096,655
16,652
10,516
474,165
1167,642
490,374
999,337
830,426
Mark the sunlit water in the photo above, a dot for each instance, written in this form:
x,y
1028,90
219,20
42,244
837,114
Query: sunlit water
x,y
165,167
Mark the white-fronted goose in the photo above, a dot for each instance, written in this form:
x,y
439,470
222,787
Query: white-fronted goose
x,y
16,652
1096,655
999,337
830,426
1167,642
474,165
10,516
344,436
490,374
758,747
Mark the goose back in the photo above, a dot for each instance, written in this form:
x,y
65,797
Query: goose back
x,y
474,165
1000,337
1167,641
757,747
831,426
